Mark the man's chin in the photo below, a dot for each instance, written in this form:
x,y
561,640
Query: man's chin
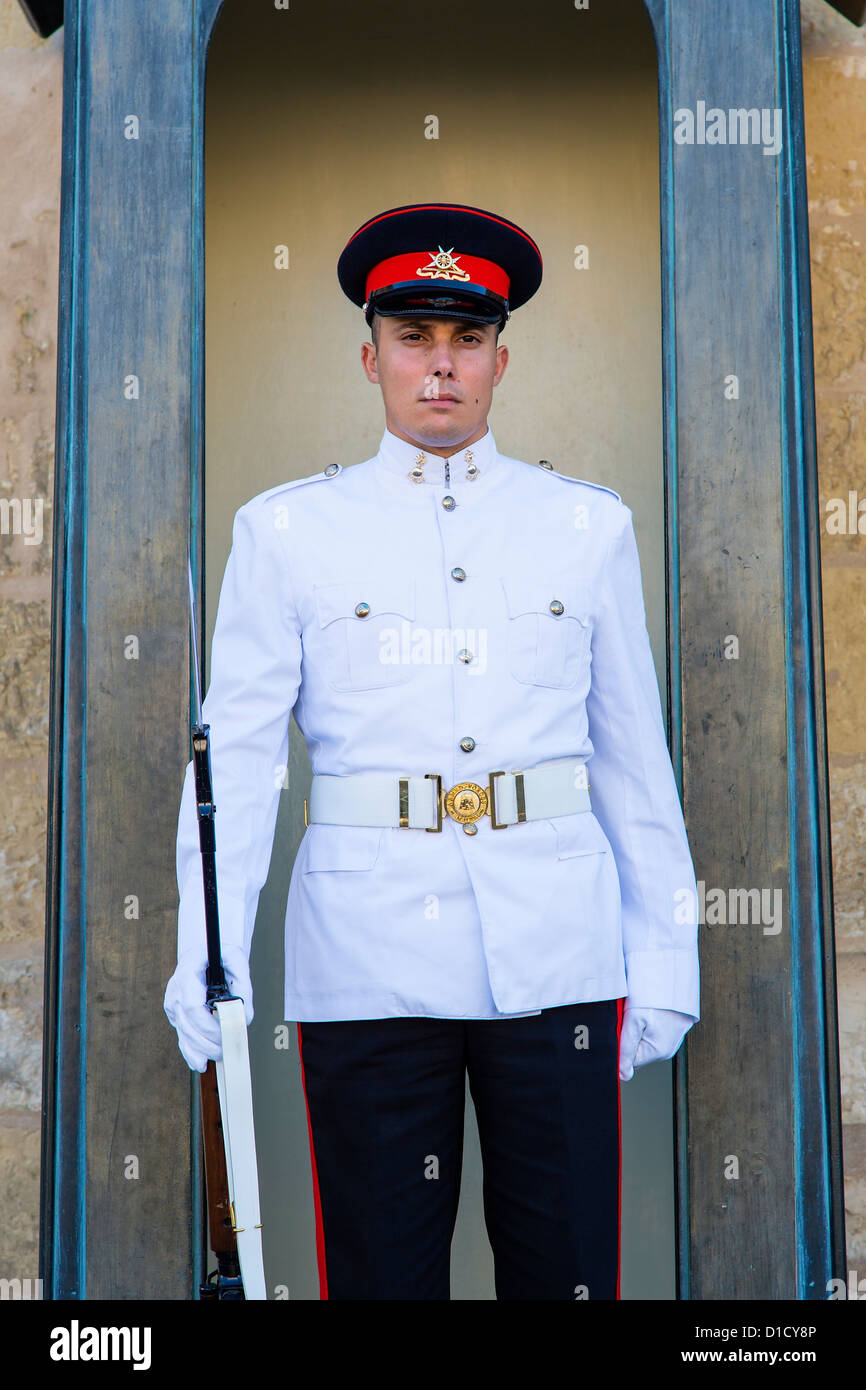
x,y
440,427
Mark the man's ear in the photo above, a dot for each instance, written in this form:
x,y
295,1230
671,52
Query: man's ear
x,y
369,361
501,363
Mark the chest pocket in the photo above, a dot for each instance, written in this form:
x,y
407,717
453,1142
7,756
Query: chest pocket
x,y
366,646
548,631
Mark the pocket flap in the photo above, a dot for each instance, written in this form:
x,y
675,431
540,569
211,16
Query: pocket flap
x,y
342,846
579,834
530,594
383,595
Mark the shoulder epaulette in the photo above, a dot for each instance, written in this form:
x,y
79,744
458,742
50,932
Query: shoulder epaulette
x,y
549,468
330,472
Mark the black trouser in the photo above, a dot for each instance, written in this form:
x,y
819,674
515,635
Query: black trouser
x,y
385,1103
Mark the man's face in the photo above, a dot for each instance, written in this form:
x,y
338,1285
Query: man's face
x,y
437,378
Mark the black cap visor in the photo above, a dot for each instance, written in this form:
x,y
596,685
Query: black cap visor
x,y
474,304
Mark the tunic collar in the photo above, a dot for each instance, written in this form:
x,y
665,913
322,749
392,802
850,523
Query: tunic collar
x,y
396,459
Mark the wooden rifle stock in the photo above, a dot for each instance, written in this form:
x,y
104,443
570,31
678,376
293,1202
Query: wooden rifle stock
x,y
225,1281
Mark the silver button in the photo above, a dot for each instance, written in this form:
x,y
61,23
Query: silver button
x,y
459,575
448,503
465,655
331,469
470,828
467,744
362,610
556,607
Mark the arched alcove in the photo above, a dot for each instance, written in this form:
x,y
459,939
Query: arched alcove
x,y
676,368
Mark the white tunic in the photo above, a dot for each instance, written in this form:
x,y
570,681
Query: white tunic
x,y
390,921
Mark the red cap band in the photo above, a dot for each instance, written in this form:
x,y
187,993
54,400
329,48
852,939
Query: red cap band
x,y
419,265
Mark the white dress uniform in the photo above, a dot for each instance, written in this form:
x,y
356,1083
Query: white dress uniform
x,y
458,628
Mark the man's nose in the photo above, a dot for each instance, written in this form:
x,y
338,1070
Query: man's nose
x,y
441,361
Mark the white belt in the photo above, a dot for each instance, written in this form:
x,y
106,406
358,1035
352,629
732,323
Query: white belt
x,y
556,788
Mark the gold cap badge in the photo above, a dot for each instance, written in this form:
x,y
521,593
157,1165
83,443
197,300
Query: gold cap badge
x,y
443,267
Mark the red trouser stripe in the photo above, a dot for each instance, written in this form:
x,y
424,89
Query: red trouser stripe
x,y
320,1229
620,1009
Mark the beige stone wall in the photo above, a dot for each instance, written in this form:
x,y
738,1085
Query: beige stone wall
x,y
834,62
834,86
31,82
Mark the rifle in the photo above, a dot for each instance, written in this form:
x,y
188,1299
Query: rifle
x,y
231,1171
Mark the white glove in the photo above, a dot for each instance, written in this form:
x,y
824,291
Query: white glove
x,y
649,1035
198,1030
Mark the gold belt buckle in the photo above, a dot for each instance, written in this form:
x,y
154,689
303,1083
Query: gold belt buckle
x,y
466,802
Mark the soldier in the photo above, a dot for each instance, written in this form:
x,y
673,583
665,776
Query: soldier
x,y
495,877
